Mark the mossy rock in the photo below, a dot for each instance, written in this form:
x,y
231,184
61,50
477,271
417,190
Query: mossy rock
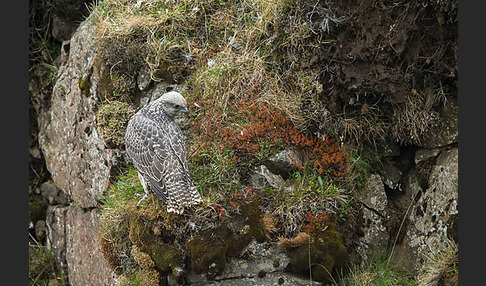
x,y
324,250
255,220
142,258
141,277
165,257
208,252
238,231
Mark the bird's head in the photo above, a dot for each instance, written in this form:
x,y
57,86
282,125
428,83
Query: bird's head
x,y
173,103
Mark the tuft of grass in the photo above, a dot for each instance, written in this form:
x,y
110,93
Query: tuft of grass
x,y
417,115
42,266
126,187
121,197
441,268
376,273
213,172
306,192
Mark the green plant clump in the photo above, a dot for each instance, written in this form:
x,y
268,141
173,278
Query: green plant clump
x,y
112,121
379,273
42,267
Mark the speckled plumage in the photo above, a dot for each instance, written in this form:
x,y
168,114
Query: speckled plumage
x,y
156,146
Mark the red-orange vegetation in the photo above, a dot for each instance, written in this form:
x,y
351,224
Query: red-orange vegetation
x,y
314,222
247,127
220,210
242,196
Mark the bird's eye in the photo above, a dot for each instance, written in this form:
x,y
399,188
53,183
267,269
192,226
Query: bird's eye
x,y
177,106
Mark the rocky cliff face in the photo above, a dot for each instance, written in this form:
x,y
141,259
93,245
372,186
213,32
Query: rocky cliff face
x,y
76,156
408,203
79,163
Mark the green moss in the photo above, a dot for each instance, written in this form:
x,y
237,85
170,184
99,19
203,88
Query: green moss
x,y
112,120
239,231
323,253
165,257
129,280
253,214
298,258
209,248
208,252
140,277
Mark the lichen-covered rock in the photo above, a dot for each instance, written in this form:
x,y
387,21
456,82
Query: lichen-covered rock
x,y
79,163
422,155
86,266
72,236
373,194
432,220
262,178
278,278
375,236
284,162
390,174
258,264
56,234
76,156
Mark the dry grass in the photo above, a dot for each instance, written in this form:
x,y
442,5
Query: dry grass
x,y
43,267
404,122
302,238
441,268
269,225
227,46
416,115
